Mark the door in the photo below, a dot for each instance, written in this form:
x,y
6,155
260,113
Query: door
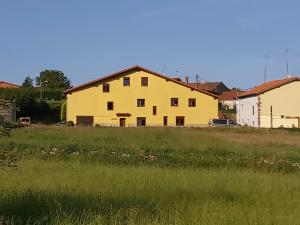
x,y
122,122
85,120
165,121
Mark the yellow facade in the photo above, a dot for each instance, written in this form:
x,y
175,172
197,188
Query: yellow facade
x,y
280,107
90,100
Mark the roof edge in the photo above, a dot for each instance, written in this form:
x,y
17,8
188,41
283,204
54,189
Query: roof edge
x,y
136,67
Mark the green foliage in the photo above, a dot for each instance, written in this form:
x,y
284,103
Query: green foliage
x,y
53,79
63,112
28,82
53,94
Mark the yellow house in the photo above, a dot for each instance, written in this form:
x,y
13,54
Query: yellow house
x,y
140,97
271,105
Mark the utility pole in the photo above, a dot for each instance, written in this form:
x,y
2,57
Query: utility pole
x,y
265,72
41,89
287,61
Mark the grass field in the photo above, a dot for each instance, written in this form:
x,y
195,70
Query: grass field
x,y
67,175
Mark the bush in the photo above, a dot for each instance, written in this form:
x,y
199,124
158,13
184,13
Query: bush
x,y
70,123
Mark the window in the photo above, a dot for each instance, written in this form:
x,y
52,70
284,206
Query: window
x,y
192,102
144,81
140,102
252,110
154,110
141,121
179,120
105,87
126,81
174,101
110,105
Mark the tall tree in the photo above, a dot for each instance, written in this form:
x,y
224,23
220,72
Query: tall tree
x,y
28,82
53,79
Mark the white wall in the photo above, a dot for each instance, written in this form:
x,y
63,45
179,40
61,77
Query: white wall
x,y
230,103
247,111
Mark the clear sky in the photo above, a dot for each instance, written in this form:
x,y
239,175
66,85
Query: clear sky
x,y
221,40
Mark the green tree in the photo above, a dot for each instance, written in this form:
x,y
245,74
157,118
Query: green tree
x,y
53,79
63,111
28,82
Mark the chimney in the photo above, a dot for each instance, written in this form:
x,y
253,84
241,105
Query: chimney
x,y
186,79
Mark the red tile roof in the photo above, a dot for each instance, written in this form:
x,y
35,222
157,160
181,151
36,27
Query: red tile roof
x,y
4,84
230,95
209,86
269,86
135,68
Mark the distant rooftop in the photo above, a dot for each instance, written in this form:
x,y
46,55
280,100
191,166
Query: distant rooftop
x,y
5,84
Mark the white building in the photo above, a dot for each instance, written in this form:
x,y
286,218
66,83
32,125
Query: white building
x,y
271,105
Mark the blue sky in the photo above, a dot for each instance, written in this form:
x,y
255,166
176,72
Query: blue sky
x,y
219,40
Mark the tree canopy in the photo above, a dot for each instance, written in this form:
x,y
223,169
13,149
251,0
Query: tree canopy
x,y
28,82
54,79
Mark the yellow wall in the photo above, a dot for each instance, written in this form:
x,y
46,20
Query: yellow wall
x,y
285,102
91,101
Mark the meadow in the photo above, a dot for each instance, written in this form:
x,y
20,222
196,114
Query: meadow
x,y
81,175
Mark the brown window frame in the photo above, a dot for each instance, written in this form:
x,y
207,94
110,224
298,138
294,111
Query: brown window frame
x,y
180,121
192,102
126,81
154,110
110,106
144,81
174,104
141,121
142,101
106,88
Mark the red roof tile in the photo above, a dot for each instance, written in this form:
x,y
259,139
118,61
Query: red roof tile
x,y
269,86
230,95
209,86
4,84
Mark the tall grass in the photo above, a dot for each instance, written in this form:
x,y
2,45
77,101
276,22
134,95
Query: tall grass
x,y
269,150
78,175
75,193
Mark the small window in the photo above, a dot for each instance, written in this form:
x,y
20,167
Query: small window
x,y
252,110
141,121
174,101
144,81
179,120
110,105
192,102
105,87
126,81
140,102
154,110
